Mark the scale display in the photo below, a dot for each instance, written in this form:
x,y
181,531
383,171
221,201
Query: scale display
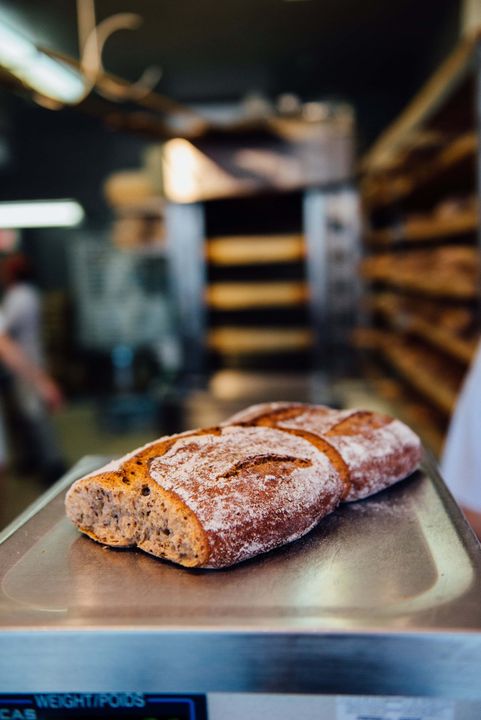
x,y
86,706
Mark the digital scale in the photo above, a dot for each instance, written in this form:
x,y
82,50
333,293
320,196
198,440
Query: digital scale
x,y
374,615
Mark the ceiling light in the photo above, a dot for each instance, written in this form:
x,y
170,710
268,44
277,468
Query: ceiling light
x,y
40,213
14,48
46,76
53,79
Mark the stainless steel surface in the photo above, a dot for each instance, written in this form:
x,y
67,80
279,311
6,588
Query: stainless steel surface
x,y
382,598
187,268
315,233
332,234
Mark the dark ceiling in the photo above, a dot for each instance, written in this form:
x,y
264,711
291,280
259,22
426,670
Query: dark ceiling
x,y
374,53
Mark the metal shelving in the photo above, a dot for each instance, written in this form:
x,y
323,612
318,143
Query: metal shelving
x,y
267,275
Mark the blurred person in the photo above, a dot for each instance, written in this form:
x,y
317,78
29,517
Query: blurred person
x,y
461,461
33,391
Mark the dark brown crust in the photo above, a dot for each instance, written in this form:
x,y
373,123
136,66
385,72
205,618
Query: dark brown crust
x,y
364,474
331,452
274,417
271,418
270,461
359,422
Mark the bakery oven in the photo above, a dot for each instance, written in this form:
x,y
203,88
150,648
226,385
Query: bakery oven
x,y
376,614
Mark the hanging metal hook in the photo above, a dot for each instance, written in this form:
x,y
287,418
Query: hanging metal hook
x,y
92,64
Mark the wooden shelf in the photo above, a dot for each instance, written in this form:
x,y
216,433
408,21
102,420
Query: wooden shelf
x,y
449,172
459,349
431,380
420,286
251,295
426,382
462,147
410,412
418,182
430,228
451,159
440,338
255,340
255,250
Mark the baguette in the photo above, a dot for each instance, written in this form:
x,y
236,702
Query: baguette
x,y
214,497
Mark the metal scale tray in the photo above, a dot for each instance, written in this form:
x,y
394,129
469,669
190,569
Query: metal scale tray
x,y
382,598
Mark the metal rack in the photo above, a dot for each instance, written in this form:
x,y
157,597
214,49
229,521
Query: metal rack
x,y
302,302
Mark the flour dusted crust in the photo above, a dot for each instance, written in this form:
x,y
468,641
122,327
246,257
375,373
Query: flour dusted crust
x,y
210,498
376,450
213,497
255,488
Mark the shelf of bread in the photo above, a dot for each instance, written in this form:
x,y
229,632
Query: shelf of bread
x,y
461,350
462,147
385,189
259,340
424,370
423,420
423,271
390,188
423,380
255,249
449,272
453,330
426,228
250,295
430,288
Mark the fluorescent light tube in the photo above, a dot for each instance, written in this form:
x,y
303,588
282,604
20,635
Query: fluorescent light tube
x,y
15,50
40,213
46,76
53,79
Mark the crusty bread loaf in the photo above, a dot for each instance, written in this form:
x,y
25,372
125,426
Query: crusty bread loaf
x,y
375,450
211,498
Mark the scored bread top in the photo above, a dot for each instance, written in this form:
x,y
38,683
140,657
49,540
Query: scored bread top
x,y
251,488
377,450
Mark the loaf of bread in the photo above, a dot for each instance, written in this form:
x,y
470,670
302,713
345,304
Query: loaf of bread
x,y
211,498
371,451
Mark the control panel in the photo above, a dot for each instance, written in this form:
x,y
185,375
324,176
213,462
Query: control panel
x,y
87,706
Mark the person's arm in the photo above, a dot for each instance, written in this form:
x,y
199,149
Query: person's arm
x,y
13,357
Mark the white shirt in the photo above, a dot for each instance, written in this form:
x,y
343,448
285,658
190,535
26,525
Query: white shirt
x,y
461,462
21,316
